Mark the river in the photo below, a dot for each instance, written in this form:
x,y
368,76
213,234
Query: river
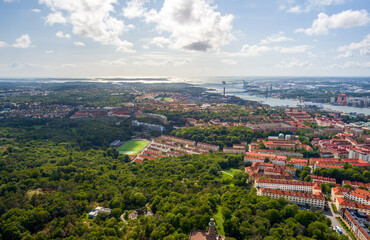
x,y
238,91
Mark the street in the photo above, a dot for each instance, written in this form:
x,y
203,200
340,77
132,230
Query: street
x,y
334,222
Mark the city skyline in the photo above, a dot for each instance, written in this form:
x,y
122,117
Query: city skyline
x,y
184,38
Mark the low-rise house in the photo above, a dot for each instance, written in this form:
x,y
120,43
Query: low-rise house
x,y
98,210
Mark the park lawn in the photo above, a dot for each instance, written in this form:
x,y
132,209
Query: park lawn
x,y
232,171
219,222
132,147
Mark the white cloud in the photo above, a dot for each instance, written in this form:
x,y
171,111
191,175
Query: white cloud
x,y
229,61
254,50
350,65
79,44
294,6
357,65
276,38
347,54
158,59
55,17
295,9
93,19
49,51
363,47
160,41
135,8
294,63
192,24
319,4
23,42
294,49
35,10
60,34
9,1
345,19
69,65
120,61
3,44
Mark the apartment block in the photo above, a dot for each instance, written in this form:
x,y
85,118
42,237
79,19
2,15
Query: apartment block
x,y
317,200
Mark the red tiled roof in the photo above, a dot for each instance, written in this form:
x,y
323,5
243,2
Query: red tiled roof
x,y
318,196
284,182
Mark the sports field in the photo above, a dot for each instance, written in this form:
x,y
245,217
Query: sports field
x,y
132,147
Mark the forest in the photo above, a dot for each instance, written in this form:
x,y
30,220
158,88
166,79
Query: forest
x,y
48,185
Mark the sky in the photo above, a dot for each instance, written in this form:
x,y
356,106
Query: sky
x,y
184,38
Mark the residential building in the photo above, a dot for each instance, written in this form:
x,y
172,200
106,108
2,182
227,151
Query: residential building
x,y
341,203
356,184
207,146
317,200
337,192
233,150
362,153
266,127
358,195
308,187
149,126
323,179
298,162
355,220
327,166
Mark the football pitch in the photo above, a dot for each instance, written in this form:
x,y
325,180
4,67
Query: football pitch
x,y
132,147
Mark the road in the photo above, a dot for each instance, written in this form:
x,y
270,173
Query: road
x,y
334,222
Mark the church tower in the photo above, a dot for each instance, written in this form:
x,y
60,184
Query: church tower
x,y
212,230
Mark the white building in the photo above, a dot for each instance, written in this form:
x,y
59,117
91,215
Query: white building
x,y
308,187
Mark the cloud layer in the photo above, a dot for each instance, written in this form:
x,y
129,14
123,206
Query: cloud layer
x,y
23,42
190,24
345,19
91,19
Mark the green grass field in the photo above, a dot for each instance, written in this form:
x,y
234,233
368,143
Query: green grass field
x,y
229,174
132,147
219,221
